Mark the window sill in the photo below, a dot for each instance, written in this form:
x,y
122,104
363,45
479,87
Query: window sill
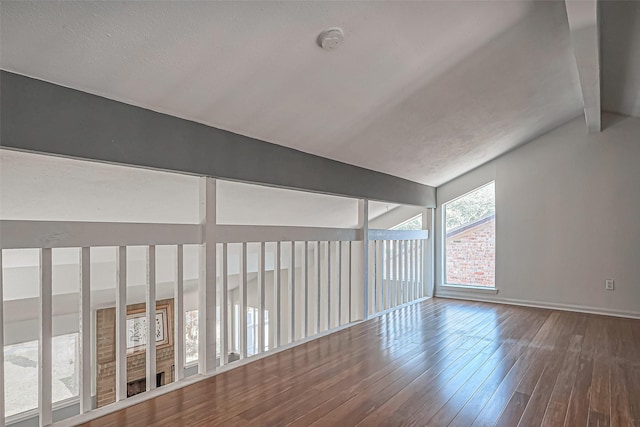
x,y
465,288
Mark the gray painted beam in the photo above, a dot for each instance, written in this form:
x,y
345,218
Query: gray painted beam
x,y
585,38
43,117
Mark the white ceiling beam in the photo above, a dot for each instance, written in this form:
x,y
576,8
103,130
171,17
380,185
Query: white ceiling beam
x,y
585,37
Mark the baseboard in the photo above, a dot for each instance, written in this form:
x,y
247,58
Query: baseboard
x,y
538,304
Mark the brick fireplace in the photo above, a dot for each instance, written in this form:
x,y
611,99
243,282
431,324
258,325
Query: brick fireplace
x,y
136,361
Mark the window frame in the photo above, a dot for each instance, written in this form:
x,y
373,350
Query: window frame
x,y
443,245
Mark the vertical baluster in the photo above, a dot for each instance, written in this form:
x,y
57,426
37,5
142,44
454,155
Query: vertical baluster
x,y
412,268
387,244
319,287
396,261
328,284
2,411
374,303
350,279
405,270
121,325
363,225
418,269
85,330
224,307
415,268
423,282
340,283
380,275
405,258
45,363
278,268
151,318
178,317
261,328
306,289
292,274
243,304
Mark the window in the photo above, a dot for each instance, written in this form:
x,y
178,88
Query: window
x,y
21,373
470,238
414,223
191,335
252,329
191,332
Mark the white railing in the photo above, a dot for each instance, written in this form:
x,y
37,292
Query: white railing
x,y
310,280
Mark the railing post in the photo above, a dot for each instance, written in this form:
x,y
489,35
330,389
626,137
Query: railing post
x,y
121,324
150,306
261,269
45,362
428,262
178,316
1,344
363,226
207,286
85,330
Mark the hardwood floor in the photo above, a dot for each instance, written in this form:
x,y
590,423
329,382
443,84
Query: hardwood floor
x,y
439,363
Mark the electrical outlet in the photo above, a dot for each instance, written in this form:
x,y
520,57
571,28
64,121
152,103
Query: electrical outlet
x,y
608,284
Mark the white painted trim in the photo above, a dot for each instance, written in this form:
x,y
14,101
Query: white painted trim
x,y
388,299
292,294
453,289
121,324
261,328
278,271
2,411
85,330
375,234
268,233
64,234
339,283
207,284
224,308
551,306
178,291
363,225
45,365
243,303
318,301
306,289
150,307
328,285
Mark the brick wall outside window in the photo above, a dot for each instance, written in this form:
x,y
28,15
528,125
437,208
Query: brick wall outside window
x,y
470,254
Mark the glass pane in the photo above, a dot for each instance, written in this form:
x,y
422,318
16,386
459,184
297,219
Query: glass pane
x,y
470,238
21,289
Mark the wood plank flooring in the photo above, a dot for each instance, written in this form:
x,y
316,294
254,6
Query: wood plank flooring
x,y
438,363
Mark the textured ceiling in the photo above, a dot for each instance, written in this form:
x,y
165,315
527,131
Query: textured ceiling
x,y
420,90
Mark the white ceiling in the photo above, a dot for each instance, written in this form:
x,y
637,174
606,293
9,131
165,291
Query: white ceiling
x,y
421,90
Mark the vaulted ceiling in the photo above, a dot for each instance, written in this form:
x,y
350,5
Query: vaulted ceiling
x,y
420,90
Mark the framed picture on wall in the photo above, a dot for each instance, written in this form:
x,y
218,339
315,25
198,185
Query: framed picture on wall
x,y
137,329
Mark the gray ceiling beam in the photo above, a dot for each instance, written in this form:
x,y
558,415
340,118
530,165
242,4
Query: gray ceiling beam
x,y
585,38
42,117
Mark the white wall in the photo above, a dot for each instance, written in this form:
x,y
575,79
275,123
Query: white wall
x,y
568,217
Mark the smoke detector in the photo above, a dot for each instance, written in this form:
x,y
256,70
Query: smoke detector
x,y
330,38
